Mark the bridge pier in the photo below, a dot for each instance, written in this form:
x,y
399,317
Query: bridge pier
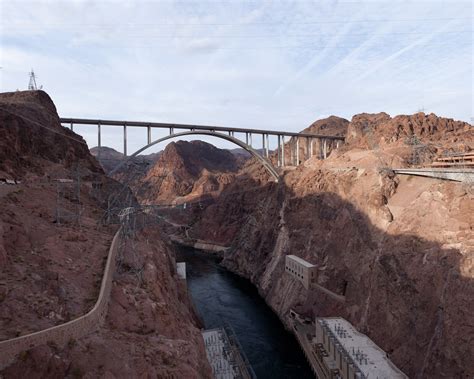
x,y
72,126
297,151
268,146
125,140
282,151
278,151
99,136
148,134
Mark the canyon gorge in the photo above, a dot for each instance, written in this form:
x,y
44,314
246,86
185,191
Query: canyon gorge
x,y
394,253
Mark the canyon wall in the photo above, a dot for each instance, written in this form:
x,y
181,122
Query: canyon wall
x,y
398,250
53,248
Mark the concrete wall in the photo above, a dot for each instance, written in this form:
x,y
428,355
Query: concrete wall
x,y
455,174
199,244
306,275
60,335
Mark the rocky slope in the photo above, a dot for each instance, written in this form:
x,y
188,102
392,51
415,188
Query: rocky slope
x,y
51,262
110,158
186,171
333,126
399,249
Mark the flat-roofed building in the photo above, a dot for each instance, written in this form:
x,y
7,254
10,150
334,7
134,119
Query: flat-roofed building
x,y
304,271
343,352
181,270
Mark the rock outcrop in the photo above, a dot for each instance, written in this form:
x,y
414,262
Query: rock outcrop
x,y
32,136
186,171
333,126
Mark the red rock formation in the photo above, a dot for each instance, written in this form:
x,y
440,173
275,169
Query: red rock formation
x,y
31,136
400,249
375,129
333,126
51,273
187,170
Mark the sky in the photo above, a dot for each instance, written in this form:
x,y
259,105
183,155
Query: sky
x,y
257,64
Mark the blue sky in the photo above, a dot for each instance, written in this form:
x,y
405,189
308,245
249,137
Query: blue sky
x,y
264,64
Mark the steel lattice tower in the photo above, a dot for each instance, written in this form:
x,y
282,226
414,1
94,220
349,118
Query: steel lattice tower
x,y
32,84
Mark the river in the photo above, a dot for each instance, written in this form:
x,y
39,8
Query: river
x,y
222,297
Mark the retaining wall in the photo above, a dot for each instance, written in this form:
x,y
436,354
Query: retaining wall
x,y
60,335
199,244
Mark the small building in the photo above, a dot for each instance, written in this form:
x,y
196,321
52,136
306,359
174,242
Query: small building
x,y
343,352
304,271
182,282
181,270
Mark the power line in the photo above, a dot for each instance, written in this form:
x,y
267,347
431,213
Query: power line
x,y
141,25
199,36
304,46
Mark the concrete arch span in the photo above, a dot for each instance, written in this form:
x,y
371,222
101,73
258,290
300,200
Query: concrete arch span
x,y
265,162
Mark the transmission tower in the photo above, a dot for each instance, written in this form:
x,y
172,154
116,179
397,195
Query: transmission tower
x,y
32,84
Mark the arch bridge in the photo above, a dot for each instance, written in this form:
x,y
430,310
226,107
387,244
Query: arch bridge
x,y
316,144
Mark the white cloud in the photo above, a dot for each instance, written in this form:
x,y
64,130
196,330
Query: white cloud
x,y
221,63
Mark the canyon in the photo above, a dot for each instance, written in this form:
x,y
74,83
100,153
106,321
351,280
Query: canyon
x,y
397,251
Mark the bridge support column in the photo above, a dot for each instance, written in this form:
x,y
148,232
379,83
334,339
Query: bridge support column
x,y
293,153
337,144
267,146
246,138
282,151
171,131
149,134
325,148
311,153
279,151
307,156
263,144
250,138
99,142
125,140
297,151
72,126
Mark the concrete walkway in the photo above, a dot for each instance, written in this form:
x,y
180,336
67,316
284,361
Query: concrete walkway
x,y
455,174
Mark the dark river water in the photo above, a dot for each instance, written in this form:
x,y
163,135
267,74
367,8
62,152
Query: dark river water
x,y
222,297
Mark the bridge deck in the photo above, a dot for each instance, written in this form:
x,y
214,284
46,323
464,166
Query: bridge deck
x,y
163,125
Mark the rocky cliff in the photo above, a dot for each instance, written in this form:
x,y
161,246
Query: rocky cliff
x,y
186,171
398,251
53,247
